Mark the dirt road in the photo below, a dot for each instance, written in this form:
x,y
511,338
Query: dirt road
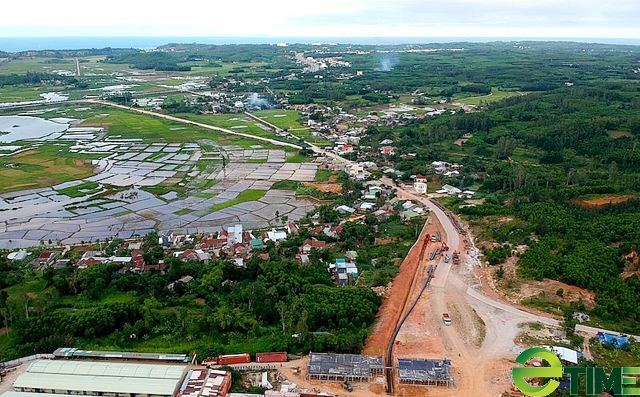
x,y
480,342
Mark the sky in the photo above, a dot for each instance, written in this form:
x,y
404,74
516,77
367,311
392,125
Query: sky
x,y
327,18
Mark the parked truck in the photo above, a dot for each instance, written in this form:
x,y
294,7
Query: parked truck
x,y
456,258
446,319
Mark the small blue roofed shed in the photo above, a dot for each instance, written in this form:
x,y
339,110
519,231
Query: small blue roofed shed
x,y
614,340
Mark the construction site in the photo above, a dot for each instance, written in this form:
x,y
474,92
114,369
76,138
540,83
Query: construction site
x,y
344,367
425,372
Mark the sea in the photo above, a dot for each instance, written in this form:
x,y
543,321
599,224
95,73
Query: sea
x,y
17,44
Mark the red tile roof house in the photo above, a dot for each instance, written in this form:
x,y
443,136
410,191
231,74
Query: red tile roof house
x,y
292,228
308,244
46,258
211,243
190,255
137,261
388,150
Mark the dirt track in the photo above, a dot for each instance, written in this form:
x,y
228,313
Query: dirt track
x,y
393,307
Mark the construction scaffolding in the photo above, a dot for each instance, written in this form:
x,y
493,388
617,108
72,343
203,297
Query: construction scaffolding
x,y
425,372
344,367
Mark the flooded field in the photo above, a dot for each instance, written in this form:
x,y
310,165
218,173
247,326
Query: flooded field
x,y
113,201
16,128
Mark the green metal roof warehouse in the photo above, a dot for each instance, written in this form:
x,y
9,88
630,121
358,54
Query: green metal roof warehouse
x,y
91,378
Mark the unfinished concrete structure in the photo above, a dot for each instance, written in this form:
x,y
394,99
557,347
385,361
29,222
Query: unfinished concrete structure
x,y
344,367
424,372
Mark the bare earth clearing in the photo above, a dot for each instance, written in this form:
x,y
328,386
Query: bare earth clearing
x,y
602,201
325,187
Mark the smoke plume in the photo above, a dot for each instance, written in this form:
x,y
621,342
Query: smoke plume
x,y
388,62
255,100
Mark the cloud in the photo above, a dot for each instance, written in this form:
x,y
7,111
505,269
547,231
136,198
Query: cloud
x,y
330,18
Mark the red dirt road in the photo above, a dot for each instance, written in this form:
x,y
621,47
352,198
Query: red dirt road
x,y
393,307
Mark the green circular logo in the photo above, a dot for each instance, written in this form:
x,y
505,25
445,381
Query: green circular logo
x,y
554,371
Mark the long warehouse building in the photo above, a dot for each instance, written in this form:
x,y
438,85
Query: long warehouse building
x,y
101,378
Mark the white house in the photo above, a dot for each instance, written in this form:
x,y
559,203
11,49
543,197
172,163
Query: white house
x,y
276,235
343,209
469,193
235,234
420,187
448,189
355,170
367,206
18,255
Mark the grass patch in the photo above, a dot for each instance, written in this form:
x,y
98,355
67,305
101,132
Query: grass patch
x,y
285,119
184,211
496,95
323,175
160,190
536,326
131,125
46,166
81,190
296,158
20,93
257,161
286,185
247,195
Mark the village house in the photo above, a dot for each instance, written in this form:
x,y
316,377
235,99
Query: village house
x,y
235,234
388,151
292,228
343,209
332,232
347,269
196,255
275,236
46,258
309,243
367,206
420,187
183,279
450,190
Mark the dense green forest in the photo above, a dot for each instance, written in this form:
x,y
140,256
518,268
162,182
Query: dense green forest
x,y
534,157
223,309
269,305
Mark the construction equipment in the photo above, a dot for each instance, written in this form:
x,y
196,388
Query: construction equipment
x,y
347,386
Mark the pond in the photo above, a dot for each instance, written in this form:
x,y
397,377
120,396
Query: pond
x,y
16,128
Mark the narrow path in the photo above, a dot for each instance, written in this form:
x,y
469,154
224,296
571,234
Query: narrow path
x,y
275,127
185,121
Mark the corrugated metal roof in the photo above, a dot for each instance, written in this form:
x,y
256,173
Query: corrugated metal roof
x,y
12,393
156,371
104,384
